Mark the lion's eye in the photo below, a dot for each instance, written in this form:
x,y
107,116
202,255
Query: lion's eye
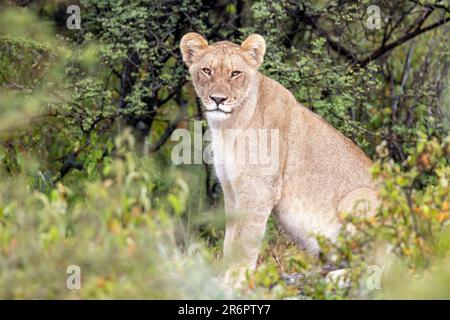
x,y
235,73
206,71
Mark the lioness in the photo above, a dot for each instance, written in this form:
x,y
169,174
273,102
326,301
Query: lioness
x,y
319,173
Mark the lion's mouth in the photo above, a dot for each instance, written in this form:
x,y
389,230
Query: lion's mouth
x,y
217,109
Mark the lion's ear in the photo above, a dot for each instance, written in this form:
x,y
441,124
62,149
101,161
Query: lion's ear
x,y
255,47
191,44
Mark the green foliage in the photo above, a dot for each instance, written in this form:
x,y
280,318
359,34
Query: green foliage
x,y
118,229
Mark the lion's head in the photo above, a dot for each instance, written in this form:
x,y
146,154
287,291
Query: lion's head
x,y
223,73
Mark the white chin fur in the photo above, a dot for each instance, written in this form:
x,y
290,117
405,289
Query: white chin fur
x,y
216,115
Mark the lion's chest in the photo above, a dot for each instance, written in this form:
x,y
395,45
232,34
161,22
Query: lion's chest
x,y
224,159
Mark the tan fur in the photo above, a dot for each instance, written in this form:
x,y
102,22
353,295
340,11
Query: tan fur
x,y
320,171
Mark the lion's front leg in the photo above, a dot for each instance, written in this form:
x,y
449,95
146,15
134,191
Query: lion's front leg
x,y
245,228
243,238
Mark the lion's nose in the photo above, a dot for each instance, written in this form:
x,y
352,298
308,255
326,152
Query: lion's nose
x,y
218,100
